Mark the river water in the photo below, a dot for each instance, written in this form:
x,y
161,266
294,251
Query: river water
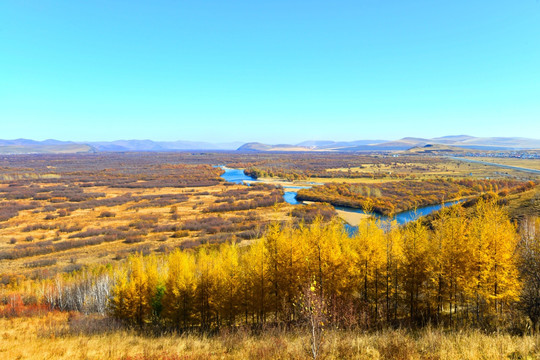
x,y
237,176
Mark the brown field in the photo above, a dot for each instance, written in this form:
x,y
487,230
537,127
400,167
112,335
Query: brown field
x,y
444,167
377,168
352,180
408,167
283,182
524,163
152,228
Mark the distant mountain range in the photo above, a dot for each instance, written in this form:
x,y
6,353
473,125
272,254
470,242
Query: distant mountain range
x,y
25,146
458,141
149,145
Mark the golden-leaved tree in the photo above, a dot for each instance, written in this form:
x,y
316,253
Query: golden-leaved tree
x,y
135,294
370,258
494,270
228,285
453,252
179,297
417,266
462,267
255,283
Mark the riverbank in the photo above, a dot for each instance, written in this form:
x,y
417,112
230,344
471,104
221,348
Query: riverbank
x,y
237,176
350,217
296,184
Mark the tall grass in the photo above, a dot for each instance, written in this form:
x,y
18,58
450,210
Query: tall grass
x,y
74,336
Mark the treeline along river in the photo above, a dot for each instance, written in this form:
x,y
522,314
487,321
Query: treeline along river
x,y
237,176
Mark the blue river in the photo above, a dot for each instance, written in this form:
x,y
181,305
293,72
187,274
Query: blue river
x,y
237,176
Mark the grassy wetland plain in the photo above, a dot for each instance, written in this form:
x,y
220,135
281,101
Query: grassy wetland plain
x,y
155,256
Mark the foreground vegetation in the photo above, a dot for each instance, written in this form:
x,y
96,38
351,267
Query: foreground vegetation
x,y
465,268
397,196
463,272
63,336
159,259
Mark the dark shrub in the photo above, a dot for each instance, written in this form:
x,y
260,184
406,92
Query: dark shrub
x,y
107,214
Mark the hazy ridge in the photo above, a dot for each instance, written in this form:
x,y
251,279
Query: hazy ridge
x,y
459,141
51,146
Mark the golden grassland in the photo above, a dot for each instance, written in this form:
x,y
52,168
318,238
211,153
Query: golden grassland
x,y
524,163
524,204
378,169
439,168
12,231
366,167
410,170
282,182
442,168
74,336
352,180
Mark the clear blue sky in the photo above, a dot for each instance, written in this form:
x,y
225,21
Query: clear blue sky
x,y
272,71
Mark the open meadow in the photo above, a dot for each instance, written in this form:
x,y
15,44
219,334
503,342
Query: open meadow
x,y
532,163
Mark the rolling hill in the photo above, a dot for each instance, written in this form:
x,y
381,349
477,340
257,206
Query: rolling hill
x,y
455,141
46,149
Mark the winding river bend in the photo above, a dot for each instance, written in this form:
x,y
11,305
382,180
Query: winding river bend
x,y
237,176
